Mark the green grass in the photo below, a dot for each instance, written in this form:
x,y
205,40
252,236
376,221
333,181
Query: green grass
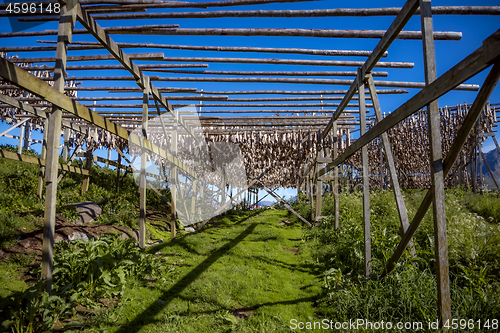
x,y
246,274
409,292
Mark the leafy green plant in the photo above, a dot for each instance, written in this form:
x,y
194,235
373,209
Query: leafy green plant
x,y
35,311
100,268
84,273
409,291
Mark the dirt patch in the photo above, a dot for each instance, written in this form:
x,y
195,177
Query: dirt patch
x,y
293,250
31,242
285,222
243,313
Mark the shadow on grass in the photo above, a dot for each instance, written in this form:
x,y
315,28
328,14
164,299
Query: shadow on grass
x,y
178,287
181,240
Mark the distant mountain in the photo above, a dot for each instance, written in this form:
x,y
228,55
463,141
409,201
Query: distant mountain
x,y
265,203
493,159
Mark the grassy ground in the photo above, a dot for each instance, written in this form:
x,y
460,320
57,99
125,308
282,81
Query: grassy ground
x,y
245,274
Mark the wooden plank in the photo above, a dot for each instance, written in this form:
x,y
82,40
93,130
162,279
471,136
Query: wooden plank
x,y
280,199
336,12
31,83
88,165
170,30
94,45
477,61
102,36
489,169
138,56
400,203
394,29
336,177
437,173
142,177
73,156
319,188
456,147
40,162
54,119
367,242
392,33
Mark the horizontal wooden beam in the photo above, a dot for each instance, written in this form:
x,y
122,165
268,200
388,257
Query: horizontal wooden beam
x,y
184,4
143,67
172,31
204,111
39,113
277,105
94,45
477,61
33,84
342,82
267,73
137,56
77,31
297,92
114,89
142,80
337,12
390,35
40,162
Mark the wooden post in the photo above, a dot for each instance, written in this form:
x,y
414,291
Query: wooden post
x,y
478,147
319,188
21,137
27,135
88,166
437,177
65,152
173,190
66,25
489,170
118,173
311,192
400,203
109,157
336,176
365,178
43,156
144,157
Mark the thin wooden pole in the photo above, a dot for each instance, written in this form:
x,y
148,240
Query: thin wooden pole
x,y
118,173
454,152
88,166
337,12
43,156
65,152
437,176
335,177
139,56
489,169
319,190
167,30
365,180
22,129
27,135
400,203
280,199
173,175
95,45
66,25
144,155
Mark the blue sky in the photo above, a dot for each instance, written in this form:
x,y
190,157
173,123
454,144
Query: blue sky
x,y
448,53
